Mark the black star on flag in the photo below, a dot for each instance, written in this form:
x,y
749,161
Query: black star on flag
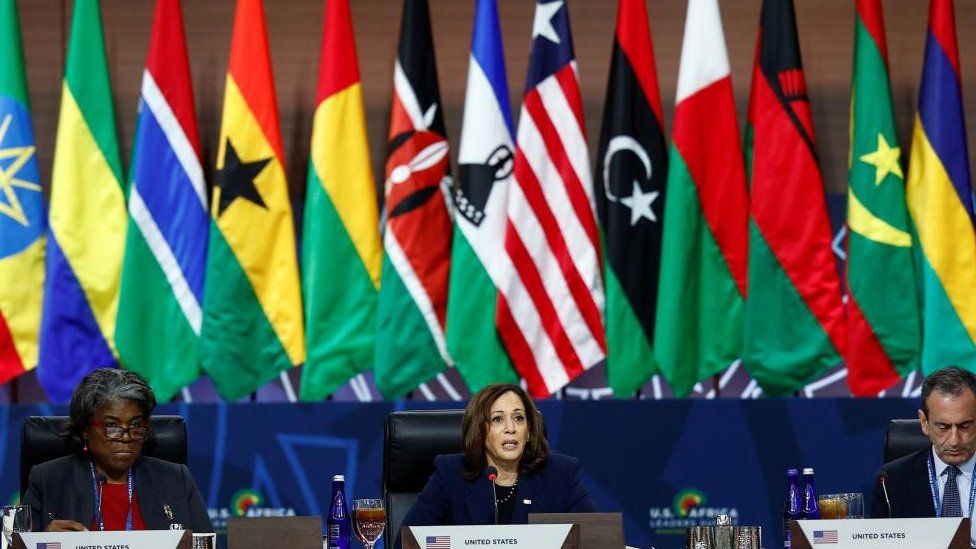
x,y
236,179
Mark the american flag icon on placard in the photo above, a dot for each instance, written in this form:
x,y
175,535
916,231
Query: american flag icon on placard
x,y
824,536
438,542
49,545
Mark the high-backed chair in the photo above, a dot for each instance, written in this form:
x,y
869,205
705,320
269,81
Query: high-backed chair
x,y
902,437
41,440
412,440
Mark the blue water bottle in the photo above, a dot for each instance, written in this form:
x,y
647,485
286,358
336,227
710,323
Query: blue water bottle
x,y
792,506
338,524
811,507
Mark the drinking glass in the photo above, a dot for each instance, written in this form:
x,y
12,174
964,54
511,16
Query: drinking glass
x,y
204,541
855,505
16,518
833,506
369,519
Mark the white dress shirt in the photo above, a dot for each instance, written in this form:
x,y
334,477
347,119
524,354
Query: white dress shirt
x,y
964,481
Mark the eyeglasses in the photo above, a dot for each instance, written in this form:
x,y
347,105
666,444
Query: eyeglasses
x,y
116,432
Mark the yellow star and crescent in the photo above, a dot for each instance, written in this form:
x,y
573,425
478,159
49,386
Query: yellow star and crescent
x,y
9,203
886,160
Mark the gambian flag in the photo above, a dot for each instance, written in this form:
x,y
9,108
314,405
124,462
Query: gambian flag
x,y
940,201
22,222
252,305
341,249
628,185
478,263
883,325
705,251
87,218
794,319
411,315
166,247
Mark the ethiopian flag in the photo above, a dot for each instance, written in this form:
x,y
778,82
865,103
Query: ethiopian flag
x,y
87,218
341,249
940,200
883,330
22,223
252,304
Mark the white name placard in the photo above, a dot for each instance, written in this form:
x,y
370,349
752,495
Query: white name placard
x,y
903,533
145,539
524,536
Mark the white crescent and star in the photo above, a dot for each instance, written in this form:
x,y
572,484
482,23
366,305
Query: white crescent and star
x,y
542,24
639,201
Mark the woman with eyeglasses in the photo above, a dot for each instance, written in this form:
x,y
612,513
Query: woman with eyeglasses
x,y
107,484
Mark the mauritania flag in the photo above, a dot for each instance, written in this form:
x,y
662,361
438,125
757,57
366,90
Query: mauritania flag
x,y
631,170
940,201
478,263
412,311
22,223
341,249
252,304
166,244
883,325
87,218
794,319
705,251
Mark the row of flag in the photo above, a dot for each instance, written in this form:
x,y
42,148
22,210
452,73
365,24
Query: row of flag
x,y
529,264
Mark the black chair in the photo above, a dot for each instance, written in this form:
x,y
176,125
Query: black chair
x,y
41,440
902,437
412,440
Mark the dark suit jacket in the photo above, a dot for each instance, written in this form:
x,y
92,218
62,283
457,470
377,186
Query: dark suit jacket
x,y
449,499
63,488
908,488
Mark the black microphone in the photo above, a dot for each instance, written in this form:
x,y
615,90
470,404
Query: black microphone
x,y
492,475
883,482
100,478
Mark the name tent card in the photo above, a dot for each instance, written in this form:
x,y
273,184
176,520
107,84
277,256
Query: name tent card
x,y
901,533
508,536
143,539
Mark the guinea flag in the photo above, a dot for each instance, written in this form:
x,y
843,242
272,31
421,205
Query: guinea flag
x,y
705,251
883,324
794,318
252,304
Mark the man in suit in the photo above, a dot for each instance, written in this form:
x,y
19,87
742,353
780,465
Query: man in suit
x,y
939,476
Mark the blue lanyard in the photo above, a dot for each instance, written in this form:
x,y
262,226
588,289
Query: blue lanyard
x,y
937,501
98,500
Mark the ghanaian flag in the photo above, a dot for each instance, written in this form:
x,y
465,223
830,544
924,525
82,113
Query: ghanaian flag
x,y
252,306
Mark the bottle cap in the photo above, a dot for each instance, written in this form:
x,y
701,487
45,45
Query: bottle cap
x,y
723,520
808,470
341,478
792,471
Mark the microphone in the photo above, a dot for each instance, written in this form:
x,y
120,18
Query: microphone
x,y
883,481
492,475
100,478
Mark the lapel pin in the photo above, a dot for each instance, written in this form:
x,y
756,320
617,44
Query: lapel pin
x,y
527,501
168,512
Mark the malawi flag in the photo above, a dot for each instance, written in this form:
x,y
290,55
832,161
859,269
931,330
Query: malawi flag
x,y
87,218
705,251
794,319
166,245
628,184
940,201
341,249
22,222
252,303
883,325
412,310
478,263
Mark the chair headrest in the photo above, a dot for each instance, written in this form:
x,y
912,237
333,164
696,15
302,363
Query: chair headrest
x,y
903,437
413,439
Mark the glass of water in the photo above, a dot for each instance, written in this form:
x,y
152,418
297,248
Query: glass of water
x,y
16,518
369,519
204,541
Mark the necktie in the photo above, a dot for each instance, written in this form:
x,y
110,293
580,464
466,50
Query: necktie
x,y
950,499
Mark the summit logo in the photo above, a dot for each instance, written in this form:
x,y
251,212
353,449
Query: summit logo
x,y
689,507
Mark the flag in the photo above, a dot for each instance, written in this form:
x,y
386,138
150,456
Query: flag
x,y
883,325
550,312
166,242
486,158
794,318
705,252
252,305
22,223
87,218
341,249
940,202
631,170
412,309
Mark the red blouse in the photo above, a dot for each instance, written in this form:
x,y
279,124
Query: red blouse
x,y
115,508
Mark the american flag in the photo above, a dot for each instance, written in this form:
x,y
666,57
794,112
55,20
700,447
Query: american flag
x,y
824,536
438,542
550,311
49,545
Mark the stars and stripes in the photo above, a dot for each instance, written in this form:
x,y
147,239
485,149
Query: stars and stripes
x,y
824,537
438,542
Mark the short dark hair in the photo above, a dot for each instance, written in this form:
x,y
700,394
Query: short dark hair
x,y
474,430
951,380
101,387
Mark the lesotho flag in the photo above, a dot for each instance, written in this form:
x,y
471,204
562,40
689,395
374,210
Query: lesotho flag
x,y
940,202
22,223
166,247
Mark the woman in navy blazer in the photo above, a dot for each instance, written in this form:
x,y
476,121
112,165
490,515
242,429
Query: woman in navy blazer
x,y
504,445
